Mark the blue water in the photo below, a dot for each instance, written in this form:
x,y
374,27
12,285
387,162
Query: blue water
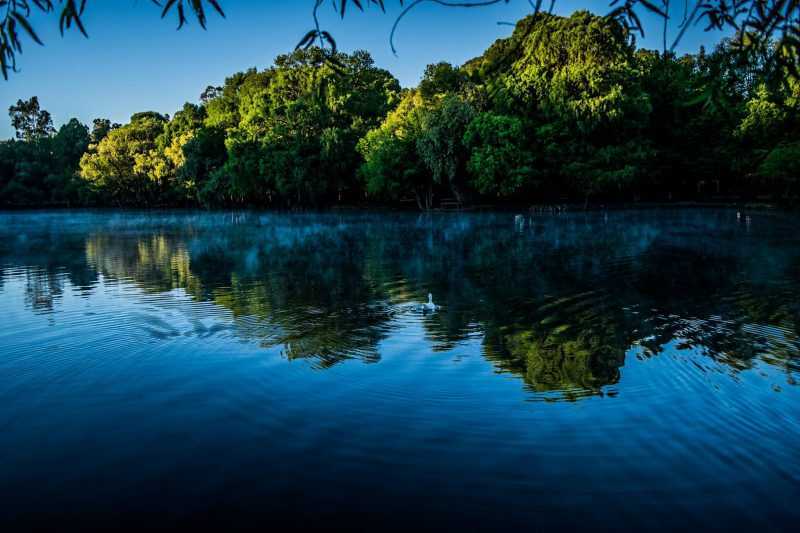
x,y
628,370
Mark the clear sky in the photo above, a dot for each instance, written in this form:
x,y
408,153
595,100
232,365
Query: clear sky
x,y
134,61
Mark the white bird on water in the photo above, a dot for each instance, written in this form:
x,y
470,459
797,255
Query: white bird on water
x,y
429,307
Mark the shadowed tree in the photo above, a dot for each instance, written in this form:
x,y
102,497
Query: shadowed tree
x,y
441,146
100,128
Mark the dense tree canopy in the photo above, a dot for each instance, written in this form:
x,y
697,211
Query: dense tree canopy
x,y
566,108
291,130
126,164
40,168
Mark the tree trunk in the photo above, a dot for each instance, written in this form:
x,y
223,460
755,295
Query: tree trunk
x,y
424,197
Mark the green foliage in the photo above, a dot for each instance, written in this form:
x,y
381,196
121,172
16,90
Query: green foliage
x,y
441,145
291,130
500,163
608,169
126,164
30,121
441,78
565,108
392,168
100,128
577,69
203,154
41,170
782,166
768,115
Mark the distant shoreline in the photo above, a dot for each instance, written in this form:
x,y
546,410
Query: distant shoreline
x,y
543,208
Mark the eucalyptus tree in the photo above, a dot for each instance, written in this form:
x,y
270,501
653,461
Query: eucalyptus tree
x,y
38,168
30,121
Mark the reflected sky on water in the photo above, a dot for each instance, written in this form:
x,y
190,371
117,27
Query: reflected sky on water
x,y
639,365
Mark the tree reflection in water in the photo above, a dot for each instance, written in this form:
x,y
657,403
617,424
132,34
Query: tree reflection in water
x,y
560,303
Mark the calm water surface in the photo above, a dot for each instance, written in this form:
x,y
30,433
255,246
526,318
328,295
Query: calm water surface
x,y
621,370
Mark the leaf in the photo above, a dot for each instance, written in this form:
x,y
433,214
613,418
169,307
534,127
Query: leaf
x,y
181,16
328,37
167,7
217,7
307,40
69,15
22,21
653,8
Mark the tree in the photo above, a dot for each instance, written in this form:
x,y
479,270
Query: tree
x,y
574,80
768,119
40,169
209,93
24,168
31,122
392,167
668,82
291,130
441,146
122,164
501,162
100,128
68,146
606,169
441,78
203,154
70,143
565,108
782,167
573,68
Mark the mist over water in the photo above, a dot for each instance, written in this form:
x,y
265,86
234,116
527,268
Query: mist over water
x,y
622,369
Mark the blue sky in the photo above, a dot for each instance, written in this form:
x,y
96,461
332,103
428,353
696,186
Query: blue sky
x,y
134,61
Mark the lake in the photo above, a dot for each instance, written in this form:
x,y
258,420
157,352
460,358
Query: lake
x,y
607,370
